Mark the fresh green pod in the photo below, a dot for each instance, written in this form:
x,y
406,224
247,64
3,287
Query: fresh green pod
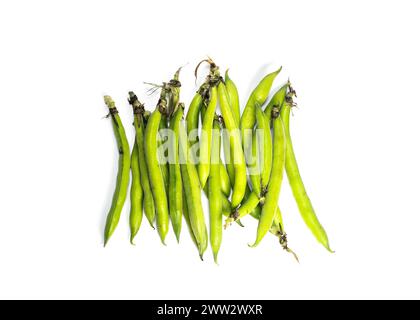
x,y
255,167
233,96
274,185
224,176
228,154
188,221
193,114
123,176
224,179
136,194
264,147
175,179
215,193
277,100
295,180
226,205
206,136
164,166
157,182
258,97
192,188
247,207
140,121
235,145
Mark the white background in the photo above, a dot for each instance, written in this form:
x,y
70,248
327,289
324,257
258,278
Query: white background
x,y
355,66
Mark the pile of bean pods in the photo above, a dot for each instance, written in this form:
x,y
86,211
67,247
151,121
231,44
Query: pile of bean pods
x,y
173,161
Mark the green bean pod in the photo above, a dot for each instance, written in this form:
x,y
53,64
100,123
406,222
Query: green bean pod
x,y
157,182
295,180
164,166
175,179
247,207
123,176
265,147
277,100
233,96
188,221
226,205
258,97
255,167
206,136
224,176
215,193
228,154
224,179
140,120
192,188
193,114
136,194
235,145
274,185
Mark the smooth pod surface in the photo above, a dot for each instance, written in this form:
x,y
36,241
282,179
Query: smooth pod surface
x,y
123,176
175,179
157,182
258,97
240,183
136,195
274,185
192,189
206,136
215,194
299,192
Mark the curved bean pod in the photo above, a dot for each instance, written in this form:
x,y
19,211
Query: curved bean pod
x,y
193,116
295,180
215,193
235,145
233,96
157,182
258,97
164,167
140,120
226,205
228,154
224,179
265,147
123,176
206,136
255,168
136,194
188,221
175,179
191,185
274,185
